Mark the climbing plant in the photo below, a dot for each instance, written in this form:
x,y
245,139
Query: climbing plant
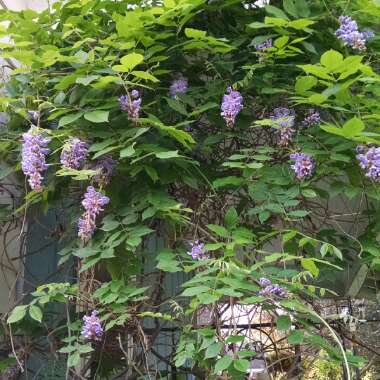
x,y
232,145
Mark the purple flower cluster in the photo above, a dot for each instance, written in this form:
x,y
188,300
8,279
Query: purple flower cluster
x,y
265,45
197,251
368,34
304,165
232,104
349,33
105,168
178,86
284,119
92,328
369,161
34,116
74,153
34,150
131,104
269,289
312,119
93,203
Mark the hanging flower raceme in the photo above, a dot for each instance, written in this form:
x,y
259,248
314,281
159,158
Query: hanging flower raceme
x,y
265,45
34,116
304,165
131,104
197,251
93,203
369,161
178,86
74,153
34,151
92,328
105,168
348,32
269,289
232,104
312,119
284,119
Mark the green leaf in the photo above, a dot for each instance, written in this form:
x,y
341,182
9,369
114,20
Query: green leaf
x,y
208,298
318,71
219,230
110,225
67,349
277,12
168,154
353,127
68,119
289,236
213,350
204,108
264,216
17,314
145,75
227,181
223,363
86,80
274,21
332,129
296,337
303,9
331,60
108,253
97,116
290,7
128,152
283,323
191,292
195,33
304,84
309,193
181,136
85,349
325,248
317,99
337,252
235,339
281,41
300,24
231,217
167,261
298,213
176,106
35,312
130,61
310,266
242,365
73,359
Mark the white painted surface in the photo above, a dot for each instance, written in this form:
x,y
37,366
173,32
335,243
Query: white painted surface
x,y
18,5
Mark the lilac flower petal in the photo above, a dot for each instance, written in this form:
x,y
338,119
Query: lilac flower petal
x,y
74,153
197,251
284,119
34,151
93,203
131,104
349,33
178,86
232,104
304,165
92,328
369,161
